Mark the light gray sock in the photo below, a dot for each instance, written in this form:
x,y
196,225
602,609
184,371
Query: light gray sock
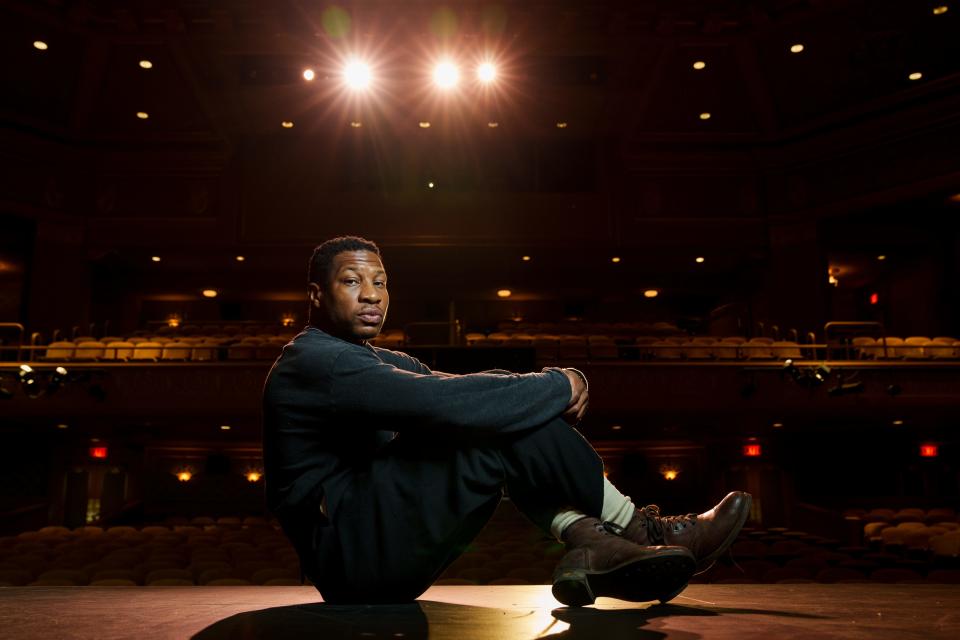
x,y
617,508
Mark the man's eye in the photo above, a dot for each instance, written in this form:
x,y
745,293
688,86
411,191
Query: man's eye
x,y
380,283
350,281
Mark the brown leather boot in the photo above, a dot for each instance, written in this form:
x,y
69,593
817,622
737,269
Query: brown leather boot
x,y
706,535
599,563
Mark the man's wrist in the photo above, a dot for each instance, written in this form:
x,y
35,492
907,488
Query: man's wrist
x,y
586,383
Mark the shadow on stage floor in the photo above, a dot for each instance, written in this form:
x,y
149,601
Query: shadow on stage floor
x,y
413,622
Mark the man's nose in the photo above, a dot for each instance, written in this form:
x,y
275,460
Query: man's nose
x,y
369,293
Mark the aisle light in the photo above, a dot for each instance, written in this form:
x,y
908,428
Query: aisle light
x,y
699,65
916,75
40,45
797,48
146,64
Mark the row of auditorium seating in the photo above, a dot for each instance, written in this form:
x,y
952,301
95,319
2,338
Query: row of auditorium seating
x,y
228,551
913,347
234,551
161,348
548,347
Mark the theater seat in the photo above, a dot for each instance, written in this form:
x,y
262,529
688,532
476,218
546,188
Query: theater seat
x,y
89,350
913,347
118,350
150,351
176,351
60,350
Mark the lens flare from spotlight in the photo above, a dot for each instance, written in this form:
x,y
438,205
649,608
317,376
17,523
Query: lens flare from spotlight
x,y
357,75
486,72
446,75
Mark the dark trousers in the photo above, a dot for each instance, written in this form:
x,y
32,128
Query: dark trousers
x,y
401,520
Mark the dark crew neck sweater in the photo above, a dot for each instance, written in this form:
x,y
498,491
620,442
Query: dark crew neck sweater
x,y
329,404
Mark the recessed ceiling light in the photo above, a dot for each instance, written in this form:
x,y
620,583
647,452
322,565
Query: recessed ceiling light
x,y
942,9
616,427
430,185
705,115
155,258
424,124
143,115
309,74
63,426
209,293
881,257
699,259
286,124
241,258
40,45
916,75
526,258
561,125
224,427
777,425
699,65
796,48
897,423
356,124
146,64
504,293
651,293
493,125
615,259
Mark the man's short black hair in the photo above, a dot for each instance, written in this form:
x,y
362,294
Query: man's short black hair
x,y
322,258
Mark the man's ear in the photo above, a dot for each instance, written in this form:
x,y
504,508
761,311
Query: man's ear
x,y
314,294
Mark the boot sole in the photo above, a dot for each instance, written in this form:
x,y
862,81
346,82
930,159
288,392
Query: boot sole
x,y
707,562
657,578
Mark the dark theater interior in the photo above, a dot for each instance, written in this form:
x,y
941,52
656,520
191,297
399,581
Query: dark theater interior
x,y
739,219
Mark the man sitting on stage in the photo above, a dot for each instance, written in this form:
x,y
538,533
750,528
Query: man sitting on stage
x,y
381,471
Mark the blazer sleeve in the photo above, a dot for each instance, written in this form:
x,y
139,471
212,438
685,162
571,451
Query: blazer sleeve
x,y
363,384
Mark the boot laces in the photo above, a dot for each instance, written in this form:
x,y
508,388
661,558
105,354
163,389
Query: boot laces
x,y
657,525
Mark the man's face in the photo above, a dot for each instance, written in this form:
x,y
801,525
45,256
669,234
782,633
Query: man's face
x,y
353,305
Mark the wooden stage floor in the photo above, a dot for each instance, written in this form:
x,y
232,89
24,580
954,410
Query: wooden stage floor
x,y
467,613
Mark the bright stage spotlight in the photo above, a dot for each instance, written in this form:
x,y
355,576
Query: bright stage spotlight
x,y
446,75
486,72
357,74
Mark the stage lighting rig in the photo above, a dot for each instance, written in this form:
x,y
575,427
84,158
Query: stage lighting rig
x,y
30,381
807,377
845,388
57,378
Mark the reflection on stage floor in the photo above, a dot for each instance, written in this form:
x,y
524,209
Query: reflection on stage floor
x,y
467,613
